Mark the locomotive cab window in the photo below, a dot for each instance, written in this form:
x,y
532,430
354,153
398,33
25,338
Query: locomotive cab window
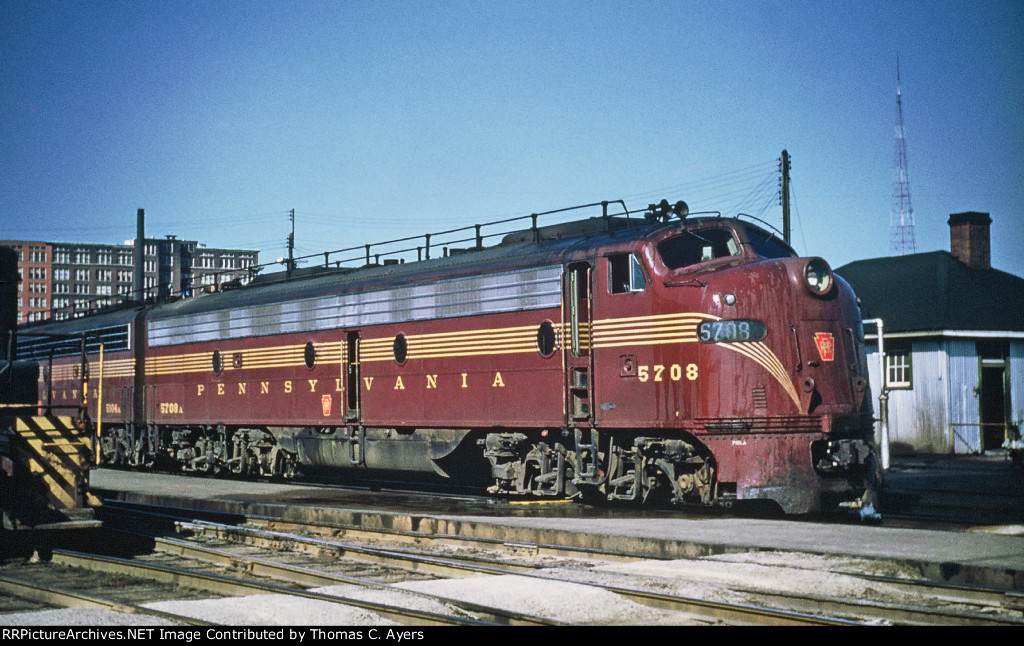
x,y
694,247
625,274
768,246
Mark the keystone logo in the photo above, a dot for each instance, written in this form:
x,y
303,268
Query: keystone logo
x,y
826,345
325,403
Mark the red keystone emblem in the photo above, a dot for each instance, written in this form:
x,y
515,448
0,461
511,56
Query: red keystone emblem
x,y
325,403
826,345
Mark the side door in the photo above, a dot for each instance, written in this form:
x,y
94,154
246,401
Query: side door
x,y
577,292
354,429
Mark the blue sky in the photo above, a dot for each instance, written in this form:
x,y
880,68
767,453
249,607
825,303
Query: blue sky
x,y
375,120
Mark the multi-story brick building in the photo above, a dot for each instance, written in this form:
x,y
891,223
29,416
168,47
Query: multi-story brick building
x,y
63,279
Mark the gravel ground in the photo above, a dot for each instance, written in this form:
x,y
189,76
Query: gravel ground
x,y
567,602
554,598
79,617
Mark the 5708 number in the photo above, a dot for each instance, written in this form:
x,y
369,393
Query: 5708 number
x,y
731,331
675,372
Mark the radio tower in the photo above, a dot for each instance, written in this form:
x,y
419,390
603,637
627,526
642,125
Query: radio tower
x,y
901,217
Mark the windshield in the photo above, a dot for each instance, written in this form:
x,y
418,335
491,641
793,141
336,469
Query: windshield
x,y
767,245
692,247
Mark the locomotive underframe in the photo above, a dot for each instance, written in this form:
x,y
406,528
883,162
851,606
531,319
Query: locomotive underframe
x,y
631,466
623,466
198,449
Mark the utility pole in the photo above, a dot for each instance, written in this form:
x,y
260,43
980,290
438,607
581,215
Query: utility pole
x,y
291,246
784,167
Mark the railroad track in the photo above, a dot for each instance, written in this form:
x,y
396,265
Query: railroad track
x,y
41,586
289,579
702,590
421,578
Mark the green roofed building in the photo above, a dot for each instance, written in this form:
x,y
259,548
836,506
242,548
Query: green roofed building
x,y
953,338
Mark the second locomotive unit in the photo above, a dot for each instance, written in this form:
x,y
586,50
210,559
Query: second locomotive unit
x,y
658,357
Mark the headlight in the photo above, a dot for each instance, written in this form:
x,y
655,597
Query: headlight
x,y
818,276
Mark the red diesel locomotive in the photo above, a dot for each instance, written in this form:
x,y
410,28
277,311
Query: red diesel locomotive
x,y
661,357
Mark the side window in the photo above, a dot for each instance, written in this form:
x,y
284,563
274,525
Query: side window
x,y
625,274
899,367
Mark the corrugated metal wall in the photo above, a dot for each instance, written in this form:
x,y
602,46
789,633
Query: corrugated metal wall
x,y
965,415
924,413
1017,384
942,394
941,413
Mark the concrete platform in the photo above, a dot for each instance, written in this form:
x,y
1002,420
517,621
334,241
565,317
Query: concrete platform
x,y
990,554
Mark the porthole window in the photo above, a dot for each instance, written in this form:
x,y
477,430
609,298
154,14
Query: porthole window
x,y
546,339
309,355
218,362
401,348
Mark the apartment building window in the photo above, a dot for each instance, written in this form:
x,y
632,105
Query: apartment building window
x,y
82,275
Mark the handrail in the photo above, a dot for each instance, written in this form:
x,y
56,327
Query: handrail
x,y
424,250
368,254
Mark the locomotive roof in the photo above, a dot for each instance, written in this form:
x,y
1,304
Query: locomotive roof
x,y
535,247
121,316
557,245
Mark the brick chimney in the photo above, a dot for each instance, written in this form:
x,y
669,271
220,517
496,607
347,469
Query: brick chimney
x,y
969,239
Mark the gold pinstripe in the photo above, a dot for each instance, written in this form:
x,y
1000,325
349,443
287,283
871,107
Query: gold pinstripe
x,y
510,340
282,356
660,329
682,328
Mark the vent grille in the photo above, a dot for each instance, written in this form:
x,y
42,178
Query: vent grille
x,y
760,398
